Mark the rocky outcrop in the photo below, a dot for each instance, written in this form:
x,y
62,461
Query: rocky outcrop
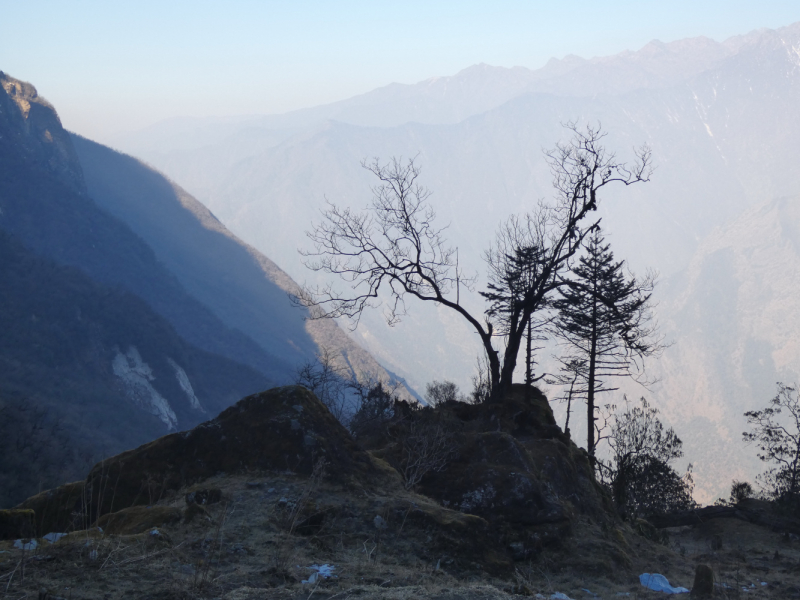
x,y
505,484
36,131
57,510
284,429
508,463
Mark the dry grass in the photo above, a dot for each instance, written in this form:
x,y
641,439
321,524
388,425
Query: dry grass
x,y
261,541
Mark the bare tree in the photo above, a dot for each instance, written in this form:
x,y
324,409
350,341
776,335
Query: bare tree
x,y
481,381
426,447
641,479
776,432
329,382
439,392
394,247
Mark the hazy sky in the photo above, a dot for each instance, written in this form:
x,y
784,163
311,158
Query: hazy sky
x,y
116,66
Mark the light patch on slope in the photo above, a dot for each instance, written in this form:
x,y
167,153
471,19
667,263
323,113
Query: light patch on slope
x,y
136,376
186,385
794,53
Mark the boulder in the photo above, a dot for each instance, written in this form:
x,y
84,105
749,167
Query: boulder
x,y
509,463
285,429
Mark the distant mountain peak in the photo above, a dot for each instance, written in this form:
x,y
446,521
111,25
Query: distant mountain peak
x,y
22,93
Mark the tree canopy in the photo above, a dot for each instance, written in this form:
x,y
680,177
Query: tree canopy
x,y
604,320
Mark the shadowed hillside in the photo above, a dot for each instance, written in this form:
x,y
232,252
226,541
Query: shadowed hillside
x,y
128,319
242,287
45,204
87,371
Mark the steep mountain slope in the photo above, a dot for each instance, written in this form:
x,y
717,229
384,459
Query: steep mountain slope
x,y
125,320
208,262
155,240
45,204
244,289
86,367
88,370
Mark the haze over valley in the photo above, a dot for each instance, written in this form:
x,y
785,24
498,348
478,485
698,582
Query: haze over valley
x,y
149,278
720,119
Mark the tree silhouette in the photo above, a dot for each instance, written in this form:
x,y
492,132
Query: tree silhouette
x,y
393,250
776,431
604,319
641,479
515,264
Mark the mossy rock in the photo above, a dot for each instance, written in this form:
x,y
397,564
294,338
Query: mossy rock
x,y
138,519
284,429
16,523
466,539
648,531
59,510
493,476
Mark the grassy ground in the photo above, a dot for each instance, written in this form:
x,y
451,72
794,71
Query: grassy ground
x,y
262,539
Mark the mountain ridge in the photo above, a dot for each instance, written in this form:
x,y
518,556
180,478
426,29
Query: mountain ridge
x,y
517,78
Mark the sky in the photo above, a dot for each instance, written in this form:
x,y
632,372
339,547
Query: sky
x,y
111,67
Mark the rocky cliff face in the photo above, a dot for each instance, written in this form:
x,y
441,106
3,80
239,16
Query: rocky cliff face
x,y
31,126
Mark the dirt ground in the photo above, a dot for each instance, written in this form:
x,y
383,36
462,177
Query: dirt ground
x,y
265,536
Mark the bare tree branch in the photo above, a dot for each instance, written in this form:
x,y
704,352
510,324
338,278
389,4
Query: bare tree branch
x,y
392,250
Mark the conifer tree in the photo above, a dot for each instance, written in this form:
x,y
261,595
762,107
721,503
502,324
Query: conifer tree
x,y
515,264
604,319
